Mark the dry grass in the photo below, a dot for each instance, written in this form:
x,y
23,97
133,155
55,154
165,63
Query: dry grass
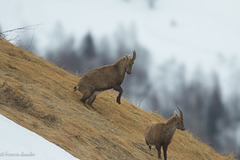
x,y
39,96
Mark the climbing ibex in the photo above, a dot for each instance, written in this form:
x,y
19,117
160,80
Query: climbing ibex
x,y
104,78
160,134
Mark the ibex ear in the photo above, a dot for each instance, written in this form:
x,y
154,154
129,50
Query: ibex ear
x,y
175,114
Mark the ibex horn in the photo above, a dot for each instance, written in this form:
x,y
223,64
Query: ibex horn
x,y
181,114
134,55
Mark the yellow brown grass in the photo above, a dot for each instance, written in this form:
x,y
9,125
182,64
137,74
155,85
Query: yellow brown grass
x,y
39,96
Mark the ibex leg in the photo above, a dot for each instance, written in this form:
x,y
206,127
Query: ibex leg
x,y
165,152
88,91
158,147
120,90
91,99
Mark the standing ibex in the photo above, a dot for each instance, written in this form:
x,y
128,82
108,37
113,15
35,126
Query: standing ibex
x,y
160,134
104,78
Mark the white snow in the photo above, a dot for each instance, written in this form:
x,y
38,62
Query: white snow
x,y
18,143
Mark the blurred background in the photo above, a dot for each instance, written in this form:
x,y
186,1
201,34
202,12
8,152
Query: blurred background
x,y
188,53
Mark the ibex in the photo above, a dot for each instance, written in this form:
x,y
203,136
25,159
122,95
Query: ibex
x,y
104,78
160,134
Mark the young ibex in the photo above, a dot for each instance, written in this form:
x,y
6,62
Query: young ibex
x,y
104,78
160,134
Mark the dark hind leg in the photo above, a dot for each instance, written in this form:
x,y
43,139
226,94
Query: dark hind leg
x,y
91,99
120,90
149,146
87,93
85,97
165,152
158,147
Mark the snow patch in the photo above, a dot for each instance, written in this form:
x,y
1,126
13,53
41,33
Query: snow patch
x,y
18,143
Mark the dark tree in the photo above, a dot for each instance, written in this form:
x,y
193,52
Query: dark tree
x,y
215,114
88,48
195,99
105,53
65,55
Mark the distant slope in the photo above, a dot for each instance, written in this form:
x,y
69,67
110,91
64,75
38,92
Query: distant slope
x,y
39,96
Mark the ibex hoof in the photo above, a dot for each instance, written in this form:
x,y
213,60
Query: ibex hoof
x,y
118,101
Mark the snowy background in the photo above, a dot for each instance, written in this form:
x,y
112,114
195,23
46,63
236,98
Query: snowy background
x,y
18,143
198,33
187,53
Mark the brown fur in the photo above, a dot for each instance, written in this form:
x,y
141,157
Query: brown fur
x,y
104,78
160,134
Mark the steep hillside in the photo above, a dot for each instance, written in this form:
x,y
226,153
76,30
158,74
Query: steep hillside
x,y
39,96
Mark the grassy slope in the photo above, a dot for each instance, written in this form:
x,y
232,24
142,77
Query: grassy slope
x,y
39,96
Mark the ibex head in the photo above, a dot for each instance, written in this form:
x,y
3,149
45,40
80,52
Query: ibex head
x,y
130,62
180,123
